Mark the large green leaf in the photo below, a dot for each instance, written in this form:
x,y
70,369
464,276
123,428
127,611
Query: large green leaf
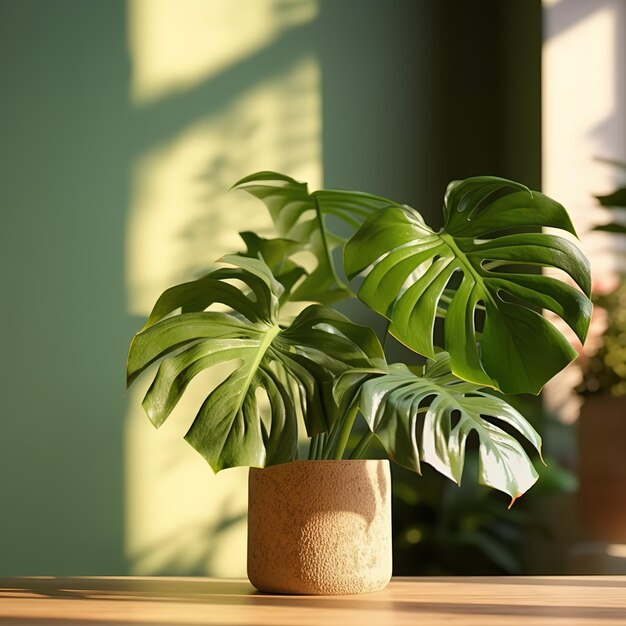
x,y
413,273
320,222
430,417
293,366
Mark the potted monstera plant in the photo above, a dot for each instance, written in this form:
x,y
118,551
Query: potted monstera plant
x,y
321,524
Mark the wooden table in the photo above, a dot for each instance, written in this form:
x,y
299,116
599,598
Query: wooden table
x,y
417,601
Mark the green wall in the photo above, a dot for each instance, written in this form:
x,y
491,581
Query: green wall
x,y
64,178
414,93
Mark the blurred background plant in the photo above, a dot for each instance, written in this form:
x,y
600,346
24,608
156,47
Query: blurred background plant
x,y
604,372
602,423
604,361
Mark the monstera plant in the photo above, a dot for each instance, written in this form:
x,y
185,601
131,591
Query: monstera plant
x,y
468,298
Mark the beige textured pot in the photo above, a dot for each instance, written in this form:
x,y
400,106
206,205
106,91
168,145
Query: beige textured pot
x,y
320,527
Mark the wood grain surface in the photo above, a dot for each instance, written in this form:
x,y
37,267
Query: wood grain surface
x,y
570,601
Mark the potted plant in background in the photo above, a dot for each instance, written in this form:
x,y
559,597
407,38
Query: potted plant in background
x,y
602,424
322,525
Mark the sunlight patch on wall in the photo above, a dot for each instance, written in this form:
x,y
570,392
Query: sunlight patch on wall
x,y
180,518
175,45
580,116
584,121
183,216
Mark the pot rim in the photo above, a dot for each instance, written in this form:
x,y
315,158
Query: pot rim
x,y
323,461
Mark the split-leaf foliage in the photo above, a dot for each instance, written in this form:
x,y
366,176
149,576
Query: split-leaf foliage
x,y
480,276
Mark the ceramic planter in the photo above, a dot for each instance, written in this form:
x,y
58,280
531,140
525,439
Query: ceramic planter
x,y
320,527
602,467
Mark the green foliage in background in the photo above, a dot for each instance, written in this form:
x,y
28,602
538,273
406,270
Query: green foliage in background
x,y
477,276
605,372
614,201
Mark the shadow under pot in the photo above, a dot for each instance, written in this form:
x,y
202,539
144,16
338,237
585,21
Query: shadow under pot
x,y
320,527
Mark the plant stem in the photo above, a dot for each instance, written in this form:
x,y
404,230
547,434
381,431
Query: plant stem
x,y
320,446
316,447
344,433
330,440
362,446
324,238
313,445
386,334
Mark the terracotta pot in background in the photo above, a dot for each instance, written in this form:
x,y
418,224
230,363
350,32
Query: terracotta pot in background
x,y
320,527
602,467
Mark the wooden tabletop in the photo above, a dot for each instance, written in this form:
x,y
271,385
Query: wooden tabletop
x,y
417,601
